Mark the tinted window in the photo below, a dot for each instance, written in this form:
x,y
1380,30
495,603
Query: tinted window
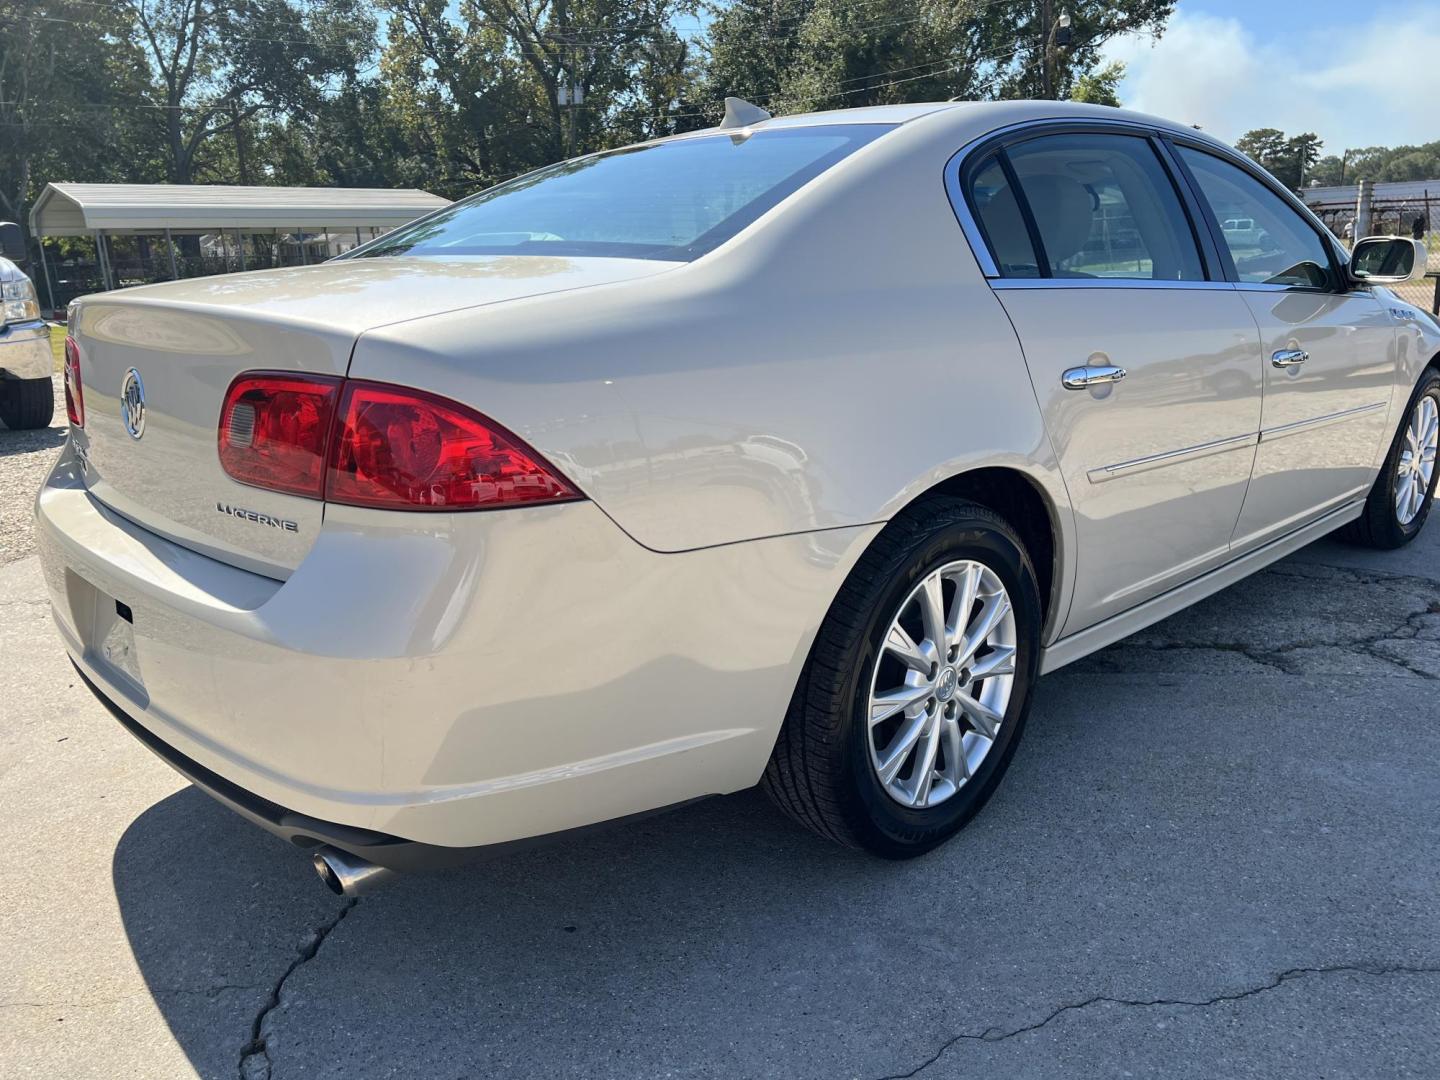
x,y
673,200
1268,240
1105,208
1001,221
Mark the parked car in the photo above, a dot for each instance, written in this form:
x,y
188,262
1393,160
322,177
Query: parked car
x,y
27,398
790,452
1243,233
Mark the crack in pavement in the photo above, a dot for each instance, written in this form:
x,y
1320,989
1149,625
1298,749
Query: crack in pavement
x,y
1373,645
992,1034
255,1061
1368,644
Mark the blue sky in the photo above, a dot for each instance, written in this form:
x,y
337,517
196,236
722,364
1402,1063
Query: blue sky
x,y
1353,73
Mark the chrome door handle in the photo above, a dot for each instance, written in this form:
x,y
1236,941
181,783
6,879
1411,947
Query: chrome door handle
x,y
1289,357
1078,378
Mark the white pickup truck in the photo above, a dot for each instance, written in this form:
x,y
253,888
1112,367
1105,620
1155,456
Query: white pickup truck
x,y
26,397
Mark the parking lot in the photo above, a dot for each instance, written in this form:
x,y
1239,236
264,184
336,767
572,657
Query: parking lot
x,y
1216,855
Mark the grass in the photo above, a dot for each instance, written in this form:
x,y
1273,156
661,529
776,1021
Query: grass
x,y
57,347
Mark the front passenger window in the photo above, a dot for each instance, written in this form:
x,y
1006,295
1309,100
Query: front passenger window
x,y
1269,242
1105,207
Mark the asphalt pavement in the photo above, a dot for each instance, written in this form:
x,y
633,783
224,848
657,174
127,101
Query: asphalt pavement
x,y
1217,854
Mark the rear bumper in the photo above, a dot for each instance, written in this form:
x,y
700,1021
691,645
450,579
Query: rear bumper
x,y
447,681
25,351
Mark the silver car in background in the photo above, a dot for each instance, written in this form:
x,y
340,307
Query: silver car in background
x,y
788,452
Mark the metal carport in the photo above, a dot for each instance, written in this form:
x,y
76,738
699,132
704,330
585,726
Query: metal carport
x,y
217,213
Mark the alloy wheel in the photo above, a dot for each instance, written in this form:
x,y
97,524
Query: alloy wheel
x,y
942,683
1416,466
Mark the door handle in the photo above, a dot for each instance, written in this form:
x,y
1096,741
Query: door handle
x,y
1078,378
1289,357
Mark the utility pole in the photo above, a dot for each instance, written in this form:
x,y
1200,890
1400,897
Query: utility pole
x,y
1057,37
1047,54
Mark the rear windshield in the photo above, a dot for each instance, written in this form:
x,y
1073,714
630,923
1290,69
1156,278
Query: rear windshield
x,y
673,200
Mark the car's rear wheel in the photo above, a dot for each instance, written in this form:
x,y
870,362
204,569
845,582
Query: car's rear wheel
x,y
26,403
1404,492
917,687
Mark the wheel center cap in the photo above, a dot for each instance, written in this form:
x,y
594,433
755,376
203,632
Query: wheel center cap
x,y
946,684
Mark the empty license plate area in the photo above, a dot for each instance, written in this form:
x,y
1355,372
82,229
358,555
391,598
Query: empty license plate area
x,y
107,631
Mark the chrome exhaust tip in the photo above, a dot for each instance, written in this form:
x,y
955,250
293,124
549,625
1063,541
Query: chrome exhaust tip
x,y
345,874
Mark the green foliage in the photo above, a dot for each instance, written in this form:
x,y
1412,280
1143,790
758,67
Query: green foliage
x,y
454,95
1292,161
1288,158
1100,87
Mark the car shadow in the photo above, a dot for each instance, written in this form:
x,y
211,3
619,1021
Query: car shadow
x,y
1153,838
28,442
208,901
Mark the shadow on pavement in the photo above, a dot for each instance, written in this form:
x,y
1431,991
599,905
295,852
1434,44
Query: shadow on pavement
x,y
28,442
1192,814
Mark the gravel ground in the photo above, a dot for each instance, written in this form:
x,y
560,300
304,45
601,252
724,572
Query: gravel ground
x,y
25,458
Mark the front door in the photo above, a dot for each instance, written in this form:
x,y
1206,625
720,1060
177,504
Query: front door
x,y
1328,355
1147,371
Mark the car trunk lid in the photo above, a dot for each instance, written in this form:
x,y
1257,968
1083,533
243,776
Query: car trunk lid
x,y
186,341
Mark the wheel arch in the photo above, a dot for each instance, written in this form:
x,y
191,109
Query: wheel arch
x,y
1023,502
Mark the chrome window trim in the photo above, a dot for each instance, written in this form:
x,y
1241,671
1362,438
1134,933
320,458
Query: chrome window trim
x,y
1265,286
1314,422
960,206
1172,457
1005,283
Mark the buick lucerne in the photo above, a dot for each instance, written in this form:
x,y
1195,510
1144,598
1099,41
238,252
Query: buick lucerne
x,y
786,452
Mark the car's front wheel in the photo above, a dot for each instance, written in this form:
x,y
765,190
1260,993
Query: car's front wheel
x,y
26,403
1404,491
917,687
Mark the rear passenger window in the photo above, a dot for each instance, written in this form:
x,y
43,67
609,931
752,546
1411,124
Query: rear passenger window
x,y
1001,221
1105,207
1270,243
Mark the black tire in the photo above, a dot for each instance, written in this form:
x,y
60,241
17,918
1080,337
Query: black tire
x,y
26,403
1379,526
820,772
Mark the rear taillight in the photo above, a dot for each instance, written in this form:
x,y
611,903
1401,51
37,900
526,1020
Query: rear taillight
x,y
371,444
405,449
274,430
74,392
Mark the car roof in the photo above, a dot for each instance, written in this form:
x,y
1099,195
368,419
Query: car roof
x,y
976,112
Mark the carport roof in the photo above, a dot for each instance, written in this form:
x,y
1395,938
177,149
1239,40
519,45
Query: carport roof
x,y
80,209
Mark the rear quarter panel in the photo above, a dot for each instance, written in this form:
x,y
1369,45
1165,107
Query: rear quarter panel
x,y
821,370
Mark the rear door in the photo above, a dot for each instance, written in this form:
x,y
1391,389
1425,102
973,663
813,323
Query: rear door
x,y
1146,369
1329,352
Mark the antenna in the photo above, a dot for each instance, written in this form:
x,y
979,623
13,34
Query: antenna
x,y
740,113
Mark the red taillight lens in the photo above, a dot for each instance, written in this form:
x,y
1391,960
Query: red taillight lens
x,y
275,428
407,450
74,392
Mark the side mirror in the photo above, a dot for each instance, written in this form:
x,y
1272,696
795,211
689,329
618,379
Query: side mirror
x,y
1387,260
12,241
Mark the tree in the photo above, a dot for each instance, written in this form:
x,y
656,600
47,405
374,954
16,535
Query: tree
x,y
1042,67
69,83
796,55
220,65
1100,87
483,87
1289,160
1302,152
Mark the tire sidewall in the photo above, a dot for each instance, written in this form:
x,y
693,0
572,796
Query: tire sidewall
x,y
885,826
1429,385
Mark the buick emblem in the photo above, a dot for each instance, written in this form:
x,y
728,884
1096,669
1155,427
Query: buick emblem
x,y
132,404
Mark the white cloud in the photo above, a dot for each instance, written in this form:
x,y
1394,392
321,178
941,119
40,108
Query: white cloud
x,y
1359,84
